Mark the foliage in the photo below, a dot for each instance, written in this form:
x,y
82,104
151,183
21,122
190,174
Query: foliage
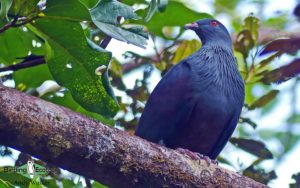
x,y
72,44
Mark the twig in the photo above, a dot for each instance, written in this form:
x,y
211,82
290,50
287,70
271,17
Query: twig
x,y
24,64
14,23
25,22
8,25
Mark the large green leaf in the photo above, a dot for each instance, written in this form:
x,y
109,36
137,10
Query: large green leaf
x,y
66,100
4,7
74,64
14,178
17,43
170,17
107,11
89,3
33,77
105,16
67,9
4,184
24,8
131,2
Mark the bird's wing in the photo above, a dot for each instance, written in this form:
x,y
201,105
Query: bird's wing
x,y
225,135
168,105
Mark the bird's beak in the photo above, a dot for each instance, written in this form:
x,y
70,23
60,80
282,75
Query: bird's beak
x,y
191,26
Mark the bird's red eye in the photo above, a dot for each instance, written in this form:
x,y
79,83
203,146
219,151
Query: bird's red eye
x,y
214,23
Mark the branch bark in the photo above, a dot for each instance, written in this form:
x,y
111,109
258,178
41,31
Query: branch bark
x,y
87,147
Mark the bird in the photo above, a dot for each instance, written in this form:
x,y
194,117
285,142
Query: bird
x,y
197,103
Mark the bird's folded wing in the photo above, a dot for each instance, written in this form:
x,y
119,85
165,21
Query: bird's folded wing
x,y
168,105
224,137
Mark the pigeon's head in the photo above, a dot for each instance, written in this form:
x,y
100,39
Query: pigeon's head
x,y
211,31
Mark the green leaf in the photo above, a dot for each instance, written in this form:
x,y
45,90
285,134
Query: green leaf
x,y
32,77
262,101
294,118
67,10
259,175
132,2
222,6
24,8
282,74
170,17
278,22
105,16
254,147
68,183
13,178
185,49
49,183
89,3
98,185
4,184
5,6
122,34
244,42
252,24
35,184
65,99
152,9
75,65
107,11
17,43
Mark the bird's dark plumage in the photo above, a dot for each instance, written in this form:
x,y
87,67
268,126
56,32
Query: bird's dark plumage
x,y
197,104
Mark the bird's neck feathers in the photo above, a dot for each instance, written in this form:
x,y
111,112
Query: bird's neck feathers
x,y
215,39
214,52
217,45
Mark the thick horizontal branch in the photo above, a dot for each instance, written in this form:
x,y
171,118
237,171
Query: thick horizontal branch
x,y
87,147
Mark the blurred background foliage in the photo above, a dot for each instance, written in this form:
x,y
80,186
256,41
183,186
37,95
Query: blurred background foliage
x,y
83,67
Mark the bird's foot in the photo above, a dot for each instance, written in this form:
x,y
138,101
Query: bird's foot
x,y
189,153
197,156
209,160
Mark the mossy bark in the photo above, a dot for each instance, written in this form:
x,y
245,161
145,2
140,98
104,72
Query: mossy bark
x,y
87,147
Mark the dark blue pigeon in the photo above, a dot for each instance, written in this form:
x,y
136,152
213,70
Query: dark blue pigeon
x,y
197,103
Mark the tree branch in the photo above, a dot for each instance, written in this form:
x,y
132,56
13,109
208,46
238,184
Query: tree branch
x,y
87,147
24,64
14,23
105,42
